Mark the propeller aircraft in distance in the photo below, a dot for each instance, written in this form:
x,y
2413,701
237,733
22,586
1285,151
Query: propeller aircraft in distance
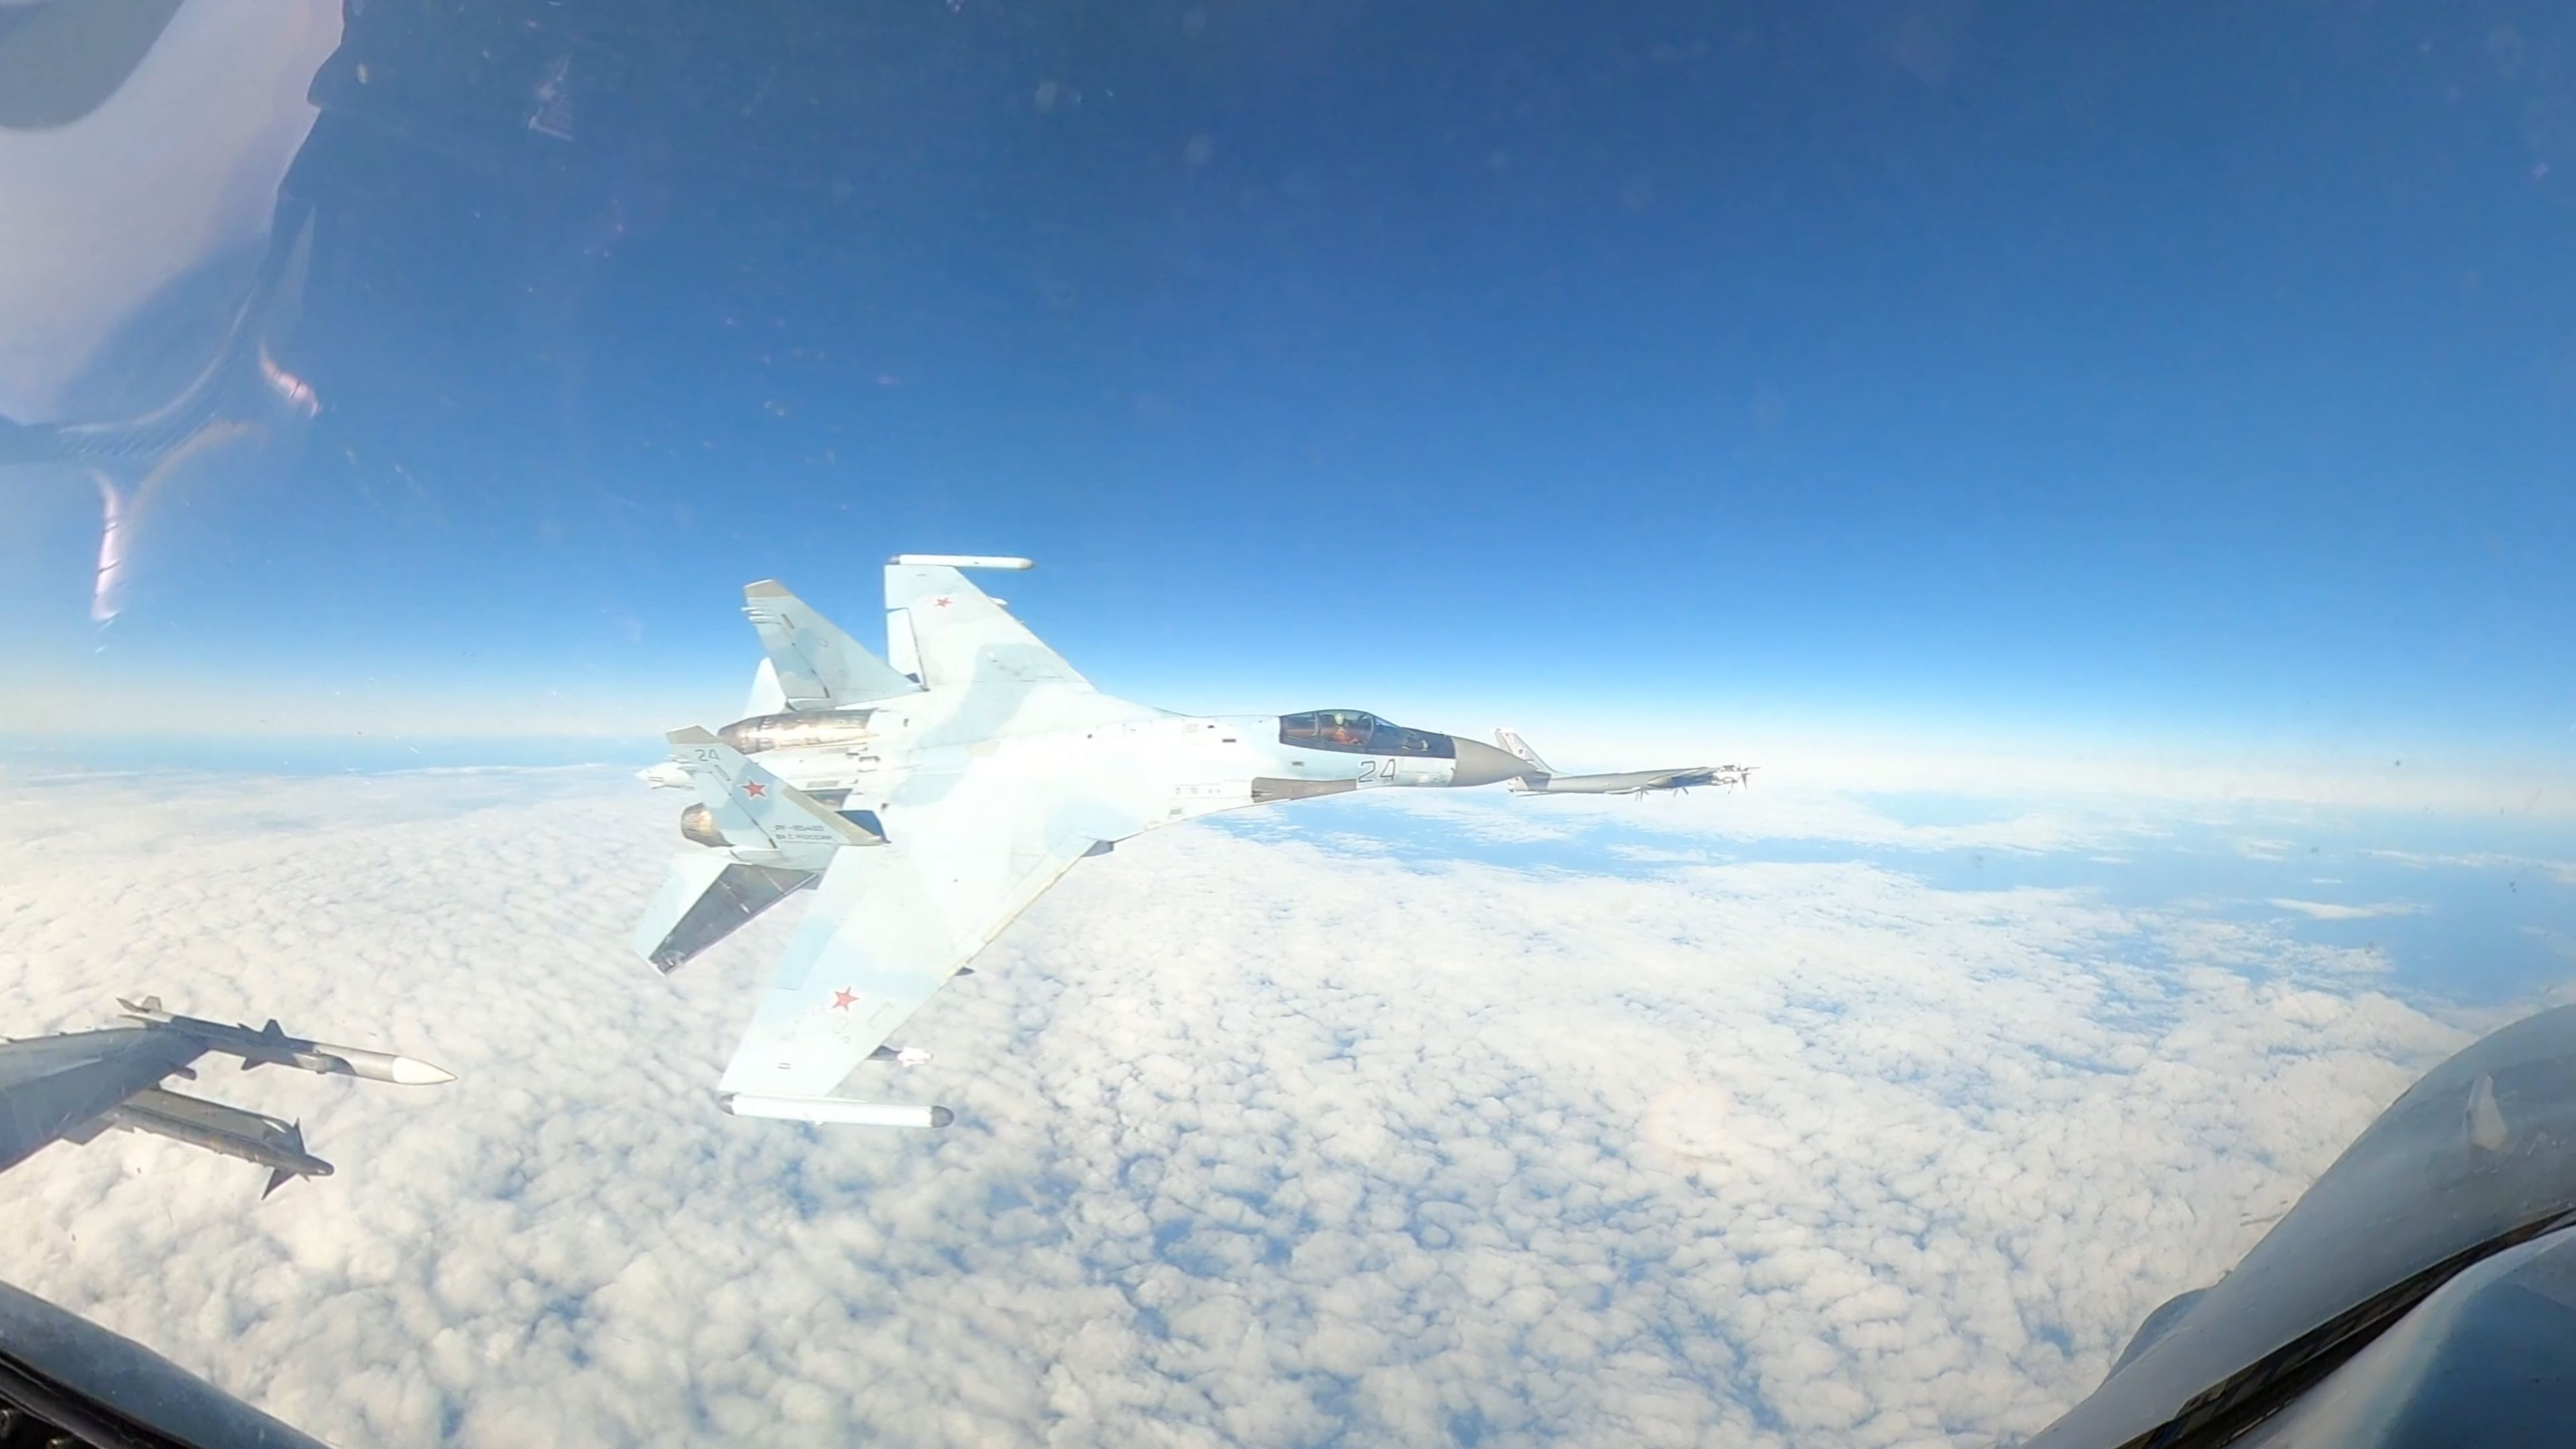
x,y
929,796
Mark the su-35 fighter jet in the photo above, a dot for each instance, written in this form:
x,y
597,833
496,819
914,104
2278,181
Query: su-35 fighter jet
x,y
928,797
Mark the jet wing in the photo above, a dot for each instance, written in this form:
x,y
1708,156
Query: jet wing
x,y
76,1085
55,1086
890,925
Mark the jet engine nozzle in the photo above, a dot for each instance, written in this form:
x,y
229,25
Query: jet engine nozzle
x,y
819,729
698,824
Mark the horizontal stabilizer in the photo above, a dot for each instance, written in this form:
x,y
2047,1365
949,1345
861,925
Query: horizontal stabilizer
x,y
705,898
758,814
817,665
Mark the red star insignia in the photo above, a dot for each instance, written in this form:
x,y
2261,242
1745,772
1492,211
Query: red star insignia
x,y
940,602
842,998
754,789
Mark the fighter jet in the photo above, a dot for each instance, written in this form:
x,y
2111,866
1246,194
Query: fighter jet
x,y
929,796
79,1084
1541,780
63,1379
2421,1293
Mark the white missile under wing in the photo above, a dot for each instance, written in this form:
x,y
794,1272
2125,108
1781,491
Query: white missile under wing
x,y
76,1085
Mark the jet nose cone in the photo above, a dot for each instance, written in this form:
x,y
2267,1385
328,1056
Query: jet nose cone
x,y
1482,764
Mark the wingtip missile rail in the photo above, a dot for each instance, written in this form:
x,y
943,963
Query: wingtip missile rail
x,y
833,1110
963,561
271,1046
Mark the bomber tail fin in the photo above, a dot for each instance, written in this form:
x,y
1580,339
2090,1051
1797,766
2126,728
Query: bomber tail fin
x,y
816,664
1520,747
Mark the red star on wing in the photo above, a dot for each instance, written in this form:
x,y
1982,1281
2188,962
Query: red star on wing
x,y
941,602
842,998
754,789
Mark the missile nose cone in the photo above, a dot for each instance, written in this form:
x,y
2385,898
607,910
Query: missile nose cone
x,y
413,1072
1482,764
664,776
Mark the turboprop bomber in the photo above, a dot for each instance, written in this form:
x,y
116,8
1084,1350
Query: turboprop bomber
x,y
1538,779
928,796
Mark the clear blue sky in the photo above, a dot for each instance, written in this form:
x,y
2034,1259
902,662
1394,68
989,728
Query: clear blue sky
x,y
2086,368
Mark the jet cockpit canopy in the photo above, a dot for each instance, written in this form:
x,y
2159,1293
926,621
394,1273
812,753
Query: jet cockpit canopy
x,y
1358,732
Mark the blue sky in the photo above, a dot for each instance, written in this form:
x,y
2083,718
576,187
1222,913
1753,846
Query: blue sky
x,y
1920,399
1877,371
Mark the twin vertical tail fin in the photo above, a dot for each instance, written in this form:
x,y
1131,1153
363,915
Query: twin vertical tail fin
x,y
942,632
815,664
1520,747
956,636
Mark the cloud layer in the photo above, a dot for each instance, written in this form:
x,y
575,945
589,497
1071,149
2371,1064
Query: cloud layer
x,y
2336,911
1264,1136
